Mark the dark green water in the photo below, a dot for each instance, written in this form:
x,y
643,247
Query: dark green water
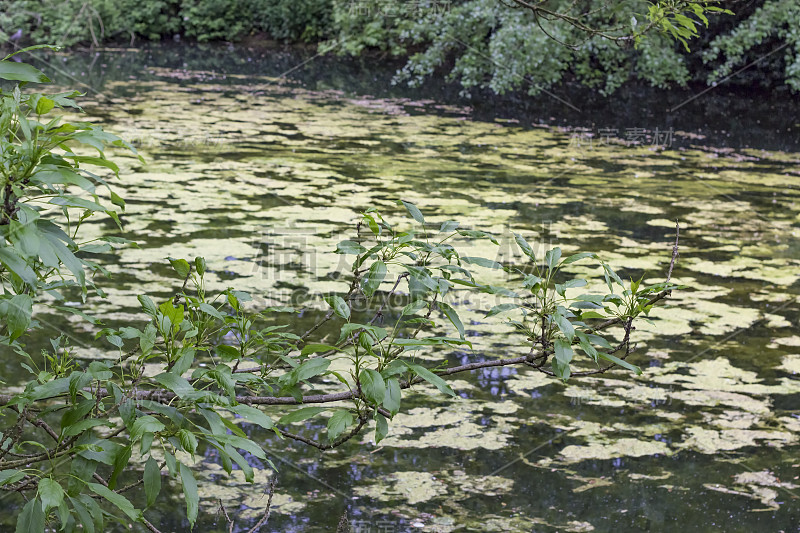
x,y
263,175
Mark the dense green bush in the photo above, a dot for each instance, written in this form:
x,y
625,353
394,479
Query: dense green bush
x,y
216,20
293,20
487,44
150,19
96,21
68,22
776,24
477,43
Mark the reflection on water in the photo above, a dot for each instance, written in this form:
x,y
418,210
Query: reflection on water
x,y
263,176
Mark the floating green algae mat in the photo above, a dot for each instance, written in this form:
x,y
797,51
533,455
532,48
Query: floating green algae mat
x,y
264,178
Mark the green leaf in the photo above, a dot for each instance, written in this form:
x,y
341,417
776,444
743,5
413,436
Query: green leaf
x,y
117,200
243,443
84,515
120,462
391,400
200,265
10,476
32,48
350,247
501,308
147,305
419,280
13,262
373,279
227,353
431,341
381,427
13,71
174,314
587,346
340,421
184,361
118,500
452,315
95,160
448,226
316,348
172,464
57,176
20,308
152,481
373,226
620,362
100,370
339,306
610,272
301,414
210,310
482,261
563,351
577,257
309,369
31,519
599,341
223,377
523,244
80,471
74,201
560,370
415,213
80,410
375,332
190,492
476,234
44,105
413,307
79,427
573,283
241,461
51,493
181,267
252,415
551,257
372,385
145,424
564,325
176,384
188,441
431,378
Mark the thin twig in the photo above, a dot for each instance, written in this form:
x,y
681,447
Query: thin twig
x,y
386,299
674,250
267,511
150,526
227,518
322,447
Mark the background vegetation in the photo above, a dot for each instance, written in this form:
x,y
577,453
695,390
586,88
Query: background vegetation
x,y
478,43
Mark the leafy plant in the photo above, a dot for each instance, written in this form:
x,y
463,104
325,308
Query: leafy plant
x,y
531,46
81,434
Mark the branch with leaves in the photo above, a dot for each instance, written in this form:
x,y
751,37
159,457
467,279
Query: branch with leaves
x,y
677,18
205,368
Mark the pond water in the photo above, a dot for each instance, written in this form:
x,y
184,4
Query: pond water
x,y
263,175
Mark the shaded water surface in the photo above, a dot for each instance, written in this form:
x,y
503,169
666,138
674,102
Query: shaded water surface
x,y
264,175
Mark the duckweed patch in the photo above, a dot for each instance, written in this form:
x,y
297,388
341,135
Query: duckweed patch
x,y
262,178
